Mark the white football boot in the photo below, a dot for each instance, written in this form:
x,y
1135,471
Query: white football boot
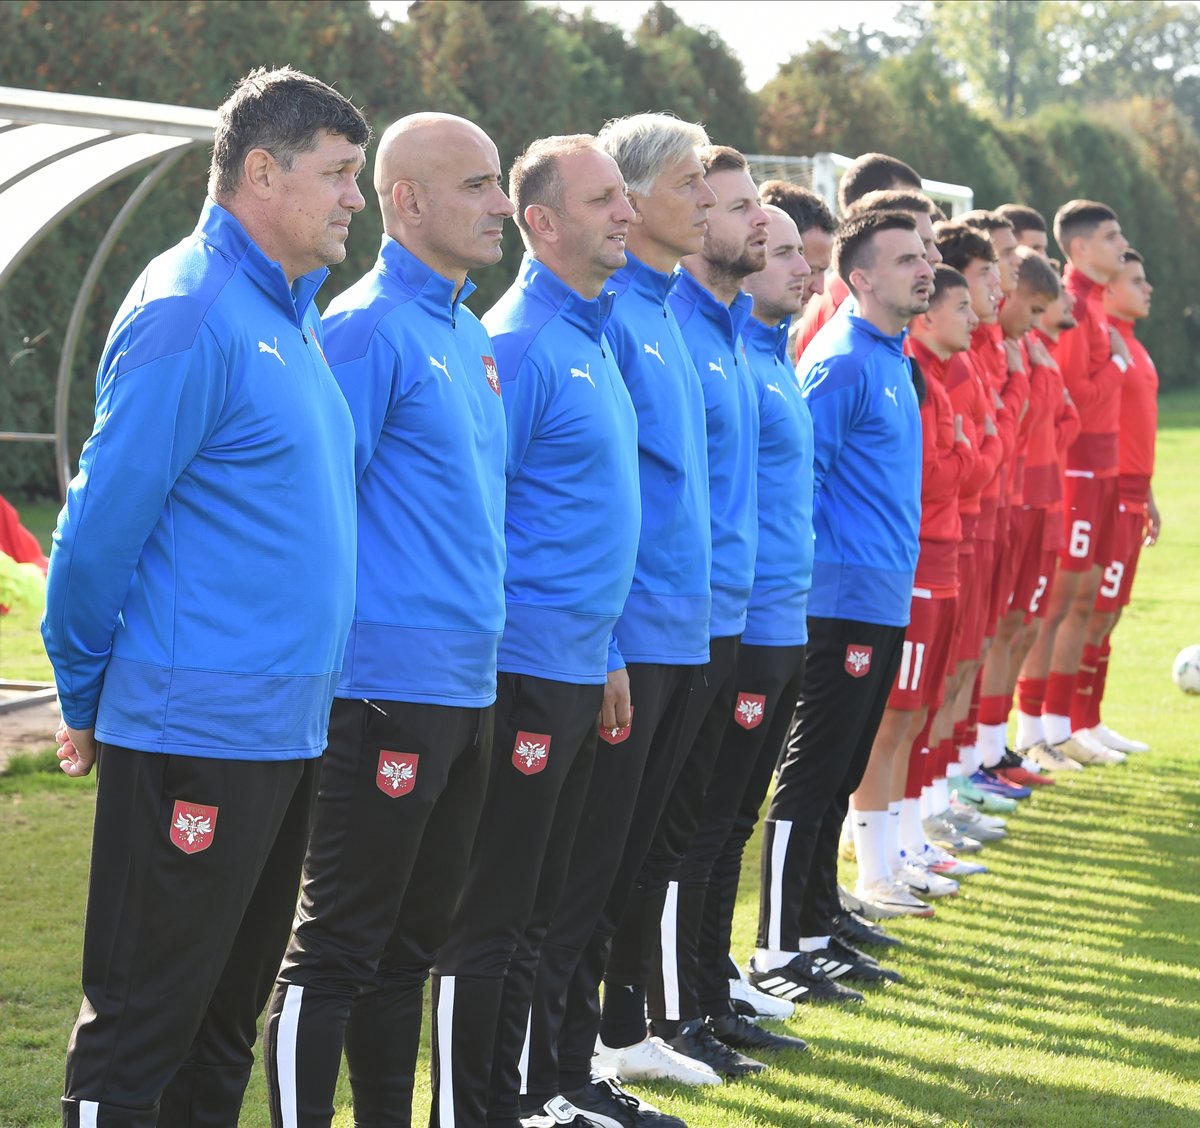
x,y
652,1060
1110,738
1100,754
1051,756
889,898
922,882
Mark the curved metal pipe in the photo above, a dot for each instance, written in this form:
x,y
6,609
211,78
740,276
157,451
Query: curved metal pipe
x,y
62,391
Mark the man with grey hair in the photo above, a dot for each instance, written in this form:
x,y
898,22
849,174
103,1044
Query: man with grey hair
x,y
410,732
662,632
200,591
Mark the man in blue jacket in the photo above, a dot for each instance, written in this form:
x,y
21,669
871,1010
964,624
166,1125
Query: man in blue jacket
x,y
711,309
866,521
690,982
662,633
571,520
411,727
200,589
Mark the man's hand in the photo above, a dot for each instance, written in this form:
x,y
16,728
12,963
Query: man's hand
x,y
960,436
989,426
1154,525
1038,353
615,711
1119,347
77,749
1012,351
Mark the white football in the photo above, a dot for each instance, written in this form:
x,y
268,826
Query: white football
x,y
1186,669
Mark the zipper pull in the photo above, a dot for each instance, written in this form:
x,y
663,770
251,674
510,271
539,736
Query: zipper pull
x,y
372,705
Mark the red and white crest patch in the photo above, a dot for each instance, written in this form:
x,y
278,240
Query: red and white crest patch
x,y
397,774
193,826
618,733
489,370
530,752
858,660
749,710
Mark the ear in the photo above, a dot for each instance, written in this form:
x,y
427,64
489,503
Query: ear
x,y
542,222
635,202
260,172
859,281
409,201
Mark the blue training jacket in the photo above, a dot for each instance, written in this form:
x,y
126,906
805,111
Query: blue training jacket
x,y
202,578
866,471
712,332
665,619
416,368
573,509
778,611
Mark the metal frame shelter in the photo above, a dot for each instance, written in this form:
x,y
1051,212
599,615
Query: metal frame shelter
x,y
56,152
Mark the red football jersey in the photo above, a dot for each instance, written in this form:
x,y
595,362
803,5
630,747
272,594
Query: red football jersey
x,y
819,310
1055,429
970,398
1139,417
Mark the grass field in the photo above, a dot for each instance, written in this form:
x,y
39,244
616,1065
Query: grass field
x,y
1062,990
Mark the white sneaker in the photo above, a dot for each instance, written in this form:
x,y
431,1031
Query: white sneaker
x,y
1051,756
888,898
1100,754
1031,766
741,990
652,1060
1114,740
922,882
965,816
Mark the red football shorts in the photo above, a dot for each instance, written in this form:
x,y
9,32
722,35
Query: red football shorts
x,y
1029,577
978,600
1091,521
921,679
1116,583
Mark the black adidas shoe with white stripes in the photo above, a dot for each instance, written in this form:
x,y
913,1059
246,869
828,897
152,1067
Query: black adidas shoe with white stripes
x,y
606,1104
739,1032
843,960
801,981
852,929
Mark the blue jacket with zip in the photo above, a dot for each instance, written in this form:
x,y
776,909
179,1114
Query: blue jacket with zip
x,y
866,471
778,611
416,368
665,619
712,332
573,508
202,578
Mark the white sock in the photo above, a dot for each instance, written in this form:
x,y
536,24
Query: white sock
x,y
768,959
1029,730
813,943
870,844
912,833
893,835
954,770
939,797
1031,766
1056,728
925,804
848,826
968,758
990,743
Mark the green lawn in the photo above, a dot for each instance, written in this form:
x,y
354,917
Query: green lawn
x,y
1061,990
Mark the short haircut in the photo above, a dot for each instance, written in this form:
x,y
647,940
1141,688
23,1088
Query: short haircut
x,y
643,145
870,173
937,215
806,208
535,177
945,279
1078,218
1134,256
854,245
983,220
960,245
283,111
892,199
721,158
1022,218
1037,275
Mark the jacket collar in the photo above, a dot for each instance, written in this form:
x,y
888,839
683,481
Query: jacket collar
x,y
896,343
644,280
767,339
931,364
221,230
437,292
729,319
589,316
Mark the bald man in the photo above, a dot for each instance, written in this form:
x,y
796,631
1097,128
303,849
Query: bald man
x,y
410,733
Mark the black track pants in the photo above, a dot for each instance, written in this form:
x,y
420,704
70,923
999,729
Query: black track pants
x,y
635,945
766,686
545,742
401,793
188,914
567,970
849,672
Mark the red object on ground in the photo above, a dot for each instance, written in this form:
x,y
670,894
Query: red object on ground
x,y
17,541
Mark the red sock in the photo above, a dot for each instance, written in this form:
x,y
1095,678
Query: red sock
x,y
917,761
1098,685
960,736
1085,682
1031,692
994,710
1060,688
945,754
